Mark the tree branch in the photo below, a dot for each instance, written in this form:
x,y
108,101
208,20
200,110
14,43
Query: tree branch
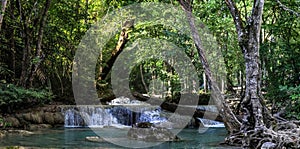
x,y
235,13
287,9
256,17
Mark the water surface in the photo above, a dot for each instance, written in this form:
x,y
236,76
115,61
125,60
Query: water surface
x,y
75,138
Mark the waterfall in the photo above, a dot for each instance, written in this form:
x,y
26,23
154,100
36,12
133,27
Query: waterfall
x,y
110,115
91,116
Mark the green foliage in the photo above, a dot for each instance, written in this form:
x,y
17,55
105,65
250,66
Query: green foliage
x,y
14,98
68,20
292,99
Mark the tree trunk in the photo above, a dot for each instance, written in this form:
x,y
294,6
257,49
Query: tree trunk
x,y
13,41
2,11
39,53
257,123
26,49
119,48
231,122
143,80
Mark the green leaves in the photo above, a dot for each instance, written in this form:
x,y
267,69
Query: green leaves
x,y
292,99
13,97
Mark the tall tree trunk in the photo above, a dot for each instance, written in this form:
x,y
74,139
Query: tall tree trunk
x,y
26,49
253,108
143,79
2,11
257,124
39,53
230,120
13,41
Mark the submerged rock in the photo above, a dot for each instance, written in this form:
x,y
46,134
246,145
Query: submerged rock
x,y
152,134
38,126
20,132
94,139
4,133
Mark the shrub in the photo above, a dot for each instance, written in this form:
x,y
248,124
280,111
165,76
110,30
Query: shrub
x,y
293,101
13,97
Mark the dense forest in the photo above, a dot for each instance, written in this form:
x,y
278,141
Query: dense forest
x,y
39,39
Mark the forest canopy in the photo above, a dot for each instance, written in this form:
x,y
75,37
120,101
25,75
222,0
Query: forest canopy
x,y
39,39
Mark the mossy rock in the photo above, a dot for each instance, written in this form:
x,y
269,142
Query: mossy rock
x,y
12,121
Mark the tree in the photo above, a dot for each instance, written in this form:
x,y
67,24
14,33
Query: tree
x,y
257,124
230,120
32,21
256,128
2,11
39,52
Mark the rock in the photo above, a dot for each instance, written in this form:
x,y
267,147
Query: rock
x,y
49,118
94,139
2,134
58,118
179,121
20,132
165,124
27,117
12,121
268,145
38,126
16,147
152,134
144,125
36,118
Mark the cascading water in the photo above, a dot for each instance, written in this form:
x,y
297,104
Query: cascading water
x,y
111,115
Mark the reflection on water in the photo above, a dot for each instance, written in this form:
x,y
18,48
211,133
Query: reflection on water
x,y
75,138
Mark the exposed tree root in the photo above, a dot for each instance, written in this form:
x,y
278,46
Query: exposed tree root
x,y
284,135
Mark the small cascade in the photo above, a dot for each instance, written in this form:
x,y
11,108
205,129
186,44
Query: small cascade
x,y
88,116
73,119
152,116
114,114
210,123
